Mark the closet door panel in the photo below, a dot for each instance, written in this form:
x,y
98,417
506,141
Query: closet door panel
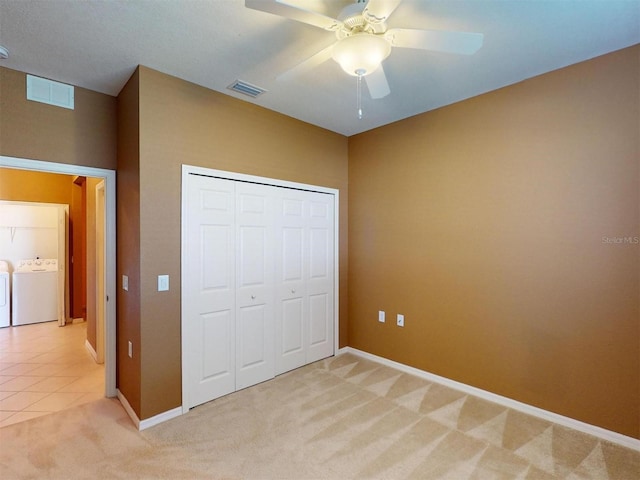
x,y
292,336
254,357
217,304
255,285
319,249
320,282
259,283
209,293
318,319
215,335
292,258
292,249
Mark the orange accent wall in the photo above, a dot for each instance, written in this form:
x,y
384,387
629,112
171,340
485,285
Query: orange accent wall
x,y
497,226
27,186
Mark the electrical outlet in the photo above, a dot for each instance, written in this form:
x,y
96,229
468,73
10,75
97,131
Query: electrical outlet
x,y
130,349
400,320
381,316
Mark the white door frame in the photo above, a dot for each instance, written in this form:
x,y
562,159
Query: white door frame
x,y
191,169
109,177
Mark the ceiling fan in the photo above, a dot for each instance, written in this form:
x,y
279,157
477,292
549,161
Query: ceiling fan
x,y
363,39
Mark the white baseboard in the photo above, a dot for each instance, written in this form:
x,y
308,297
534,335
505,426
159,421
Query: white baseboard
x,y
128,409
587,428
91,350
161,417
147,422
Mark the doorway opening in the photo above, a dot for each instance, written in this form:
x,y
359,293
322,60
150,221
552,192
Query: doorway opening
x,y
104,279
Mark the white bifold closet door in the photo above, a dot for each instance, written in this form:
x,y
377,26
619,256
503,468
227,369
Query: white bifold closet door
x,y
304,278
259,283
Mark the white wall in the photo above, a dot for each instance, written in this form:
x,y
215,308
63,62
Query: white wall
x,y
28,230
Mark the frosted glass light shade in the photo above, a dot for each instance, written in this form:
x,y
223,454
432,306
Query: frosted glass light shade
x,y
361,54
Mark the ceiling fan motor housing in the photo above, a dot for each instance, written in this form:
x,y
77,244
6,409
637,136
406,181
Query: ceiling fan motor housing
x,y
354,22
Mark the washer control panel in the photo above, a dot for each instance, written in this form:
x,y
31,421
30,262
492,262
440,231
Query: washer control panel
x,y
37,265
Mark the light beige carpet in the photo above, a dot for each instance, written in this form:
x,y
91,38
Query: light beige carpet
x,y
340,418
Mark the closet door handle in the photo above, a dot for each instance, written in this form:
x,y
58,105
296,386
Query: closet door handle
x,y
293,290
253,297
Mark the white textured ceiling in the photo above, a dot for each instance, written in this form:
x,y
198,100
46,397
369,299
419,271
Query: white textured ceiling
x,y
98,44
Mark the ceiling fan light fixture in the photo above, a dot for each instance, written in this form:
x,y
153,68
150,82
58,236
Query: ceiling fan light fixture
x,y
361,54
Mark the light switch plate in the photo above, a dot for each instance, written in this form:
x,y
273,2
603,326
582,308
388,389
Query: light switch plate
x,y
163,283
400,320
381,316
125,282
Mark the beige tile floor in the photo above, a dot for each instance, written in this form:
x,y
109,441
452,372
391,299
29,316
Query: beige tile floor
x,y
45,368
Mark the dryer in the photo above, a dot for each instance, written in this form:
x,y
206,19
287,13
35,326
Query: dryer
x,y
5,298
35,291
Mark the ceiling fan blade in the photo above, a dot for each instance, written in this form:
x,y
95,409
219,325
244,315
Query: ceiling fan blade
x,y
378,11
306,65
377,83
436,40
295,12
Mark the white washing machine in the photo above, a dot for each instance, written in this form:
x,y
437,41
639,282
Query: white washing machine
x,y
35,291
5,301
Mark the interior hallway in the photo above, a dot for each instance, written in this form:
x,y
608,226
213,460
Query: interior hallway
x,y
44,369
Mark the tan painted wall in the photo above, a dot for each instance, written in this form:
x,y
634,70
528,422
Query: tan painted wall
x,y
183,123
84,136
483,224
128,371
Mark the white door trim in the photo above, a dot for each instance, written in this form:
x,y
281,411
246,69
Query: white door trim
x,y
109,177
191,169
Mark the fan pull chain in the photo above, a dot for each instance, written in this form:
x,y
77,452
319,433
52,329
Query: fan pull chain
x,y
360,74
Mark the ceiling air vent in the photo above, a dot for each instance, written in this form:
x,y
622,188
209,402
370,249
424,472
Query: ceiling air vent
x,y
246,89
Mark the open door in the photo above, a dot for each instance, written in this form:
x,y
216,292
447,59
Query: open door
x,y
63,278
101,296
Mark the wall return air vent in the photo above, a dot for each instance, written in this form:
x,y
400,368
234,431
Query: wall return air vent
x,y
246,89
50,92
